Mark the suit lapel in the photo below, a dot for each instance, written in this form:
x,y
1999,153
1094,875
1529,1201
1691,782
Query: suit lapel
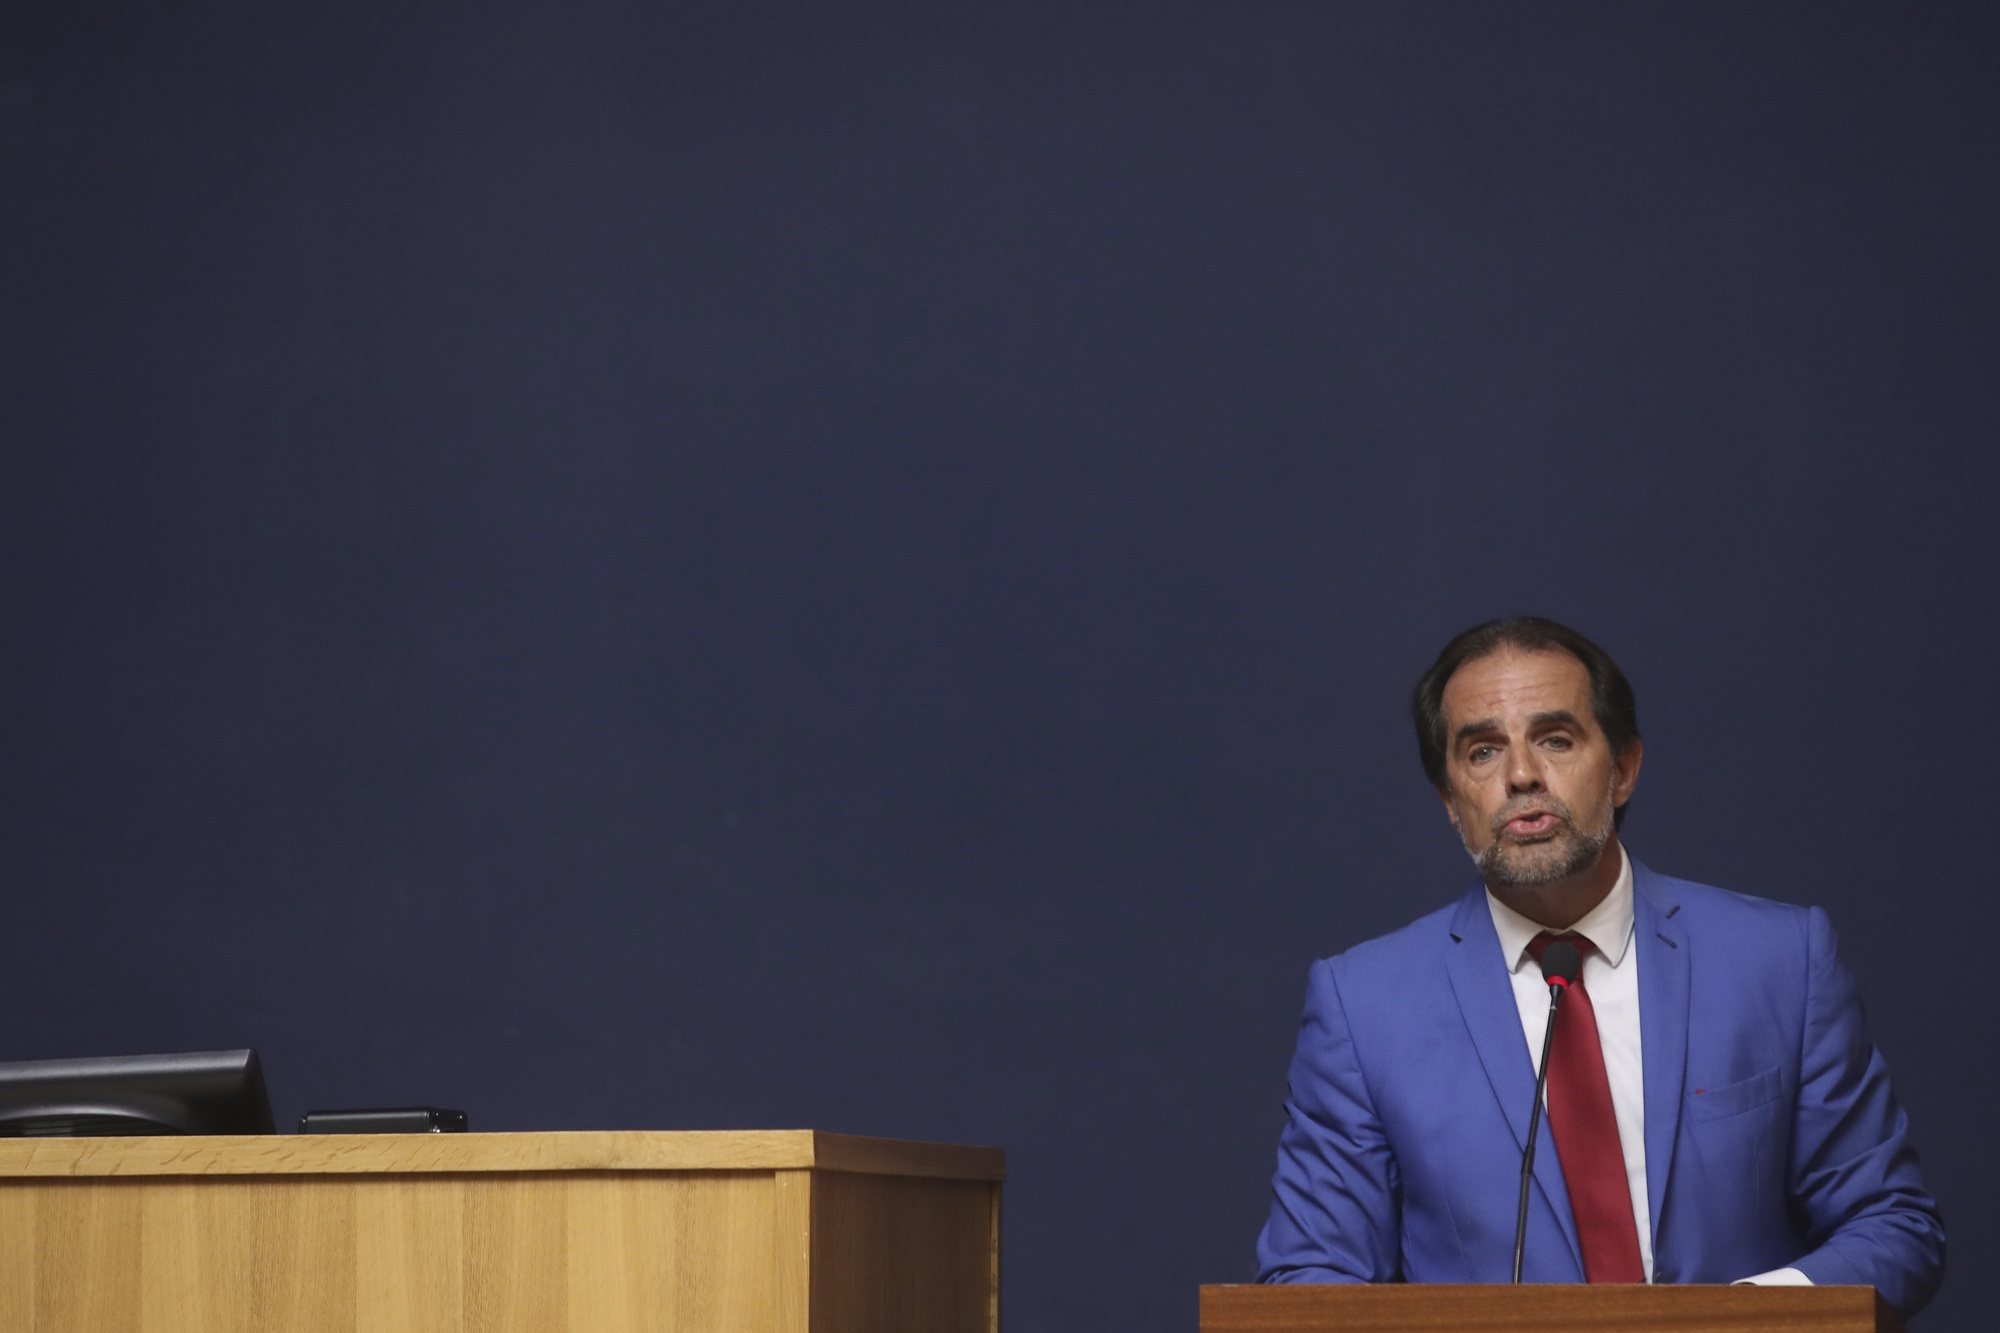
x,y
1663,1025
1485,994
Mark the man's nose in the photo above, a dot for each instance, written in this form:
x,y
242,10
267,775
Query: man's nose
x,y
1524,768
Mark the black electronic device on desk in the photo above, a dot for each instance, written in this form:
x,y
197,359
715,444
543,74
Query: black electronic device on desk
x,y
190,1092
388,1120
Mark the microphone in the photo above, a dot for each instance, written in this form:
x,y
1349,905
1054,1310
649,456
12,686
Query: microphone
x,y
1561,965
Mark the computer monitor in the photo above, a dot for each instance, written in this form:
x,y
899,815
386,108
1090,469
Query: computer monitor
x,y
192,1092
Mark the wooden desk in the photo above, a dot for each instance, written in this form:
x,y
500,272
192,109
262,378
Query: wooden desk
x,y
1395,1308
791,1231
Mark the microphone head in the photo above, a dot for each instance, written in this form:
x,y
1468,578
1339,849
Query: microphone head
x,y
1561,962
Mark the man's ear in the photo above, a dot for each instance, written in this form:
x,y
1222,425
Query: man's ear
x,y
1450,810
1625,772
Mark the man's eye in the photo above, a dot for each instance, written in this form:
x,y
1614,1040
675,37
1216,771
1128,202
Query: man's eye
x,y
1479,754
1558,742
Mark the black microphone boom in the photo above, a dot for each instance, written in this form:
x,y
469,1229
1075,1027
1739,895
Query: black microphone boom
x,y
1561,965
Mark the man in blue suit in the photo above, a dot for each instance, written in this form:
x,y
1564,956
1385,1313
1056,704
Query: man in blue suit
x,y
1729,1120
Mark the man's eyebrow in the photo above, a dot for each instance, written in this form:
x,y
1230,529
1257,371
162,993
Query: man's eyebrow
x,y
1483,726
1559,717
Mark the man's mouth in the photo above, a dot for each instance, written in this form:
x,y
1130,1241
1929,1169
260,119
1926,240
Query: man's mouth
x,y
1530,824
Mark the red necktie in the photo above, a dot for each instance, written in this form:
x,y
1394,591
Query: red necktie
x,y
1586,1133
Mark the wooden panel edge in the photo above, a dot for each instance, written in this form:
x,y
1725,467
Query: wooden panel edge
x,y
1255,1308
907,1157
393,1154
993,1267
795,1277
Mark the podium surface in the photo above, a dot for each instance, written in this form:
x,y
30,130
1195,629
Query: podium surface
x,y
1308,1308
793,1231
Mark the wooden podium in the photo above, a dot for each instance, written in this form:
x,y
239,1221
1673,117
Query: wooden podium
x,y
1544,1309
790,1231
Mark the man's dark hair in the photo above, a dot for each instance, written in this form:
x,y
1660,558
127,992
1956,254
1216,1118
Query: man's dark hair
x,y
1611,701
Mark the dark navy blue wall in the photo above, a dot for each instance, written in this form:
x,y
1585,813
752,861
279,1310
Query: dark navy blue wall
x,y
630,565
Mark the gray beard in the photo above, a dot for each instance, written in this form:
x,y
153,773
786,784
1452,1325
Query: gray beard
x,y
1569,852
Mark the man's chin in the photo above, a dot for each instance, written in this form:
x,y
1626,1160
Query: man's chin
x,y
1531,866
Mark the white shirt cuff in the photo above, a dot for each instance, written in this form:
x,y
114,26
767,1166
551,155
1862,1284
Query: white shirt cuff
x,y
1777,1277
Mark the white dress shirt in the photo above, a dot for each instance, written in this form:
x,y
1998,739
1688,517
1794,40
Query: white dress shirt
x,y
1611,976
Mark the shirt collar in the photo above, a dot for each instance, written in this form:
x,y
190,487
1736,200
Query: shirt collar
x,y
1608,926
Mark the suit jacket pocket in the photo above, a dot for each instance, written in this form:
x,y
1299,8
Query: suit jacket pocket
x,y
1716,1103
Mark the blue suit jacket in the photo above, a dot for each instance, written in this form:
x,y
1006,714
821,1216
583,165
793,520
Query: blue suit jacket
x,y
1772,1136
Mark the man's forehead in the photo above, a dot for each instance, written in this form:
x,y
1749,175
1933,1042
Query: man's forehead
x,y
1511,681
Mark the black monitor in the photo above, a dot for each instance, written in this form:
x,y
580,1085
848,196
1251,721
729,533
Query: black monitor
x,y
193,1092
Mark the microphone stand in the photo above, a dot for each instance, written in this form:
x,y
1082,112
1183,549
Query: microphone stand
x,y
1557,985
